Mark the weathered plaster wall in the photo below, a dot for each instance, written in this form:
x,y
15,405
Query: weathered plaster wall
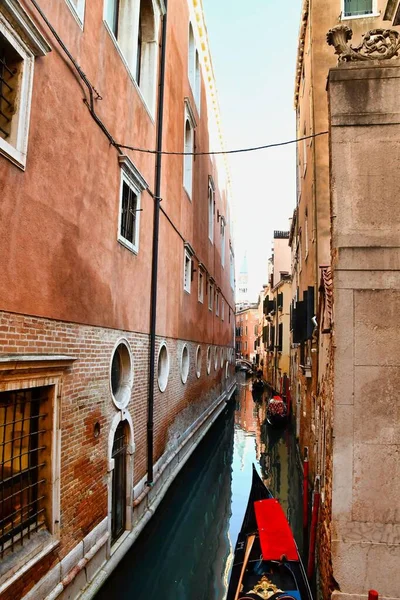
x,y
366,247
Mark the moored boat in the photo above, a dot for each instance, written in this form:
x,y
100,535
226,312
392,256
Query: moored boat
x,y
277,411
266,564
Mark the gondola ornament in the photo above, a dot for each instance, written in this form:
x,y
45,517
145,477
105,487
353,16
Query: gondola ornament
x,y
265,589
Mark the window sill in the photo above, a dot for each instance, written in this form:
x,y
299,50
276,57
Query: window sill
x,y
118,48
186,291
128,245
352,17
17,157
16,564
78,17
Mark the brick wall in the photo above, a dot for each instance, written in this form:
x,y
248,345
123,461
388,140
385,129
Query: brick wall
x,y
86,399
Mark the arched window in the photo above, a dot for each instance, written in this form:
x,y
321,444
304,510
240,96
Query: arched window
x,y
146,58
188,158
191,58
118,503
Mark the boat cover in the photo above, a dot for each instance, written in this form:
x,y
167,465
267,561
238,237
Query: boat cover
x,y
276,537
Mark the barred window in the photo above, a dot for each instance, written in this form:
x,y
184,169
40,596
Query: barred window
x,y
23,440
128,214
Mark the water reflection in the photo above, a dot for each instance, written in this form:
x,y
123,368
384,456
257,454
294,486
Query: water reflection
x,y
186,550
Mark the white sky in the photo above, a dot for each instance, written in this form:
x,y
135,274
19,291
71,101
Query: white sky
x,y
253,46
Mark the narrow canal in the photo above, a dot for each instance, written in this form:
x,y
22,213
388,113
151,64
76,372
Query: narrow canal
x,y
186,550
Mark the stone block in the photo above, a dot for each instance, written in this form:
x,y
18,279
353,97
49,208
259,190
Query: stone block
x,y
377,327
71,559
92,537
46,585
376,485
342,486
377,405
95,564
75,587
344,353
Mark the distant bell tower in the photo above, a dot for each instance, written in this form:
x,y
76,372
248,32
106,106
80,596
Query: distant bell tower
x,y
243,281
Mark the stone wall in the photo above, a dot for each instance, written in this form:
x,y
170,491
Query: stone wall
x,y
365,181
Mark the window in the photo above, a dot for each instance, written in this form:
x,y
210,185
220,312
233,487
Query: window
x,y
187,272
134,28
217,303
121,374
26,417
208,360
194,68
17,56
304,151
356,8
306,237
222,309
163,368
210,295
190,125
232,268
201,285
78,9
223,241
211,204
132,184
185,364
198,362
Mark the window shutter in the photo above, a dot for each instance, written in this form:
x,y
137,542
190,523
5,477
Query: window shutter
x,y
280,337
280,300
310,312
299,322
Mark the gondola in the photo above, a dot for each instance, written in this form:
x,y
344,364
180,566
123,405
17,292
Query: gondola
x,y
266,564
277,412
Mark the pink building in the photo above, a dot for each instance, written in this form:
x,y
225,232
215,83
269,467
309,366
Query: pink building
x,y
117,271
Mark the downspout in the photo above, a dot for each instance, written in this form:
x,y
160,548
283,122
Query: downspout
x,y
154,264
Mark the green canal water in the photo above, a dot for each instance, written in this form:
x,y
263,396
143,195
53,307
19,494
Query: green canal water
x,y
186,550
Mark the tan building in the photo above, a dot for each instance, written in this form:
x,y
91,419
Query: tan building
x,y
325,379
246,333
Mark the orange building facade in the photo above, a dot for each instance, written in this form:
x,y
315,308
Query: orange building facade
x,y
116,265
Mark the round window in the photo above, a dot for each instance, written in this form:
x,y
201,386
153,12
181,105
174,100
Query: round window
x,y
121,374
215,358
208,360
163,368
198,361
222,357
226,370
184,364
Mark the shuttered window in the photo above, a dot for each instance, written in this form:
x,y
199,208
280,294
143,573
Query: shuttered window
x,y
354,8
280,337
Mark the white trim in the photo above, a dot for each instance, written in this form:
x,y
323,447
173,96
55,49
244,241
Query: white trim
x,y
163,378
17,152
125,390
131,76
208,360
373,13
78,11
187,271
132,177
184,375
200,284
190,113
21,21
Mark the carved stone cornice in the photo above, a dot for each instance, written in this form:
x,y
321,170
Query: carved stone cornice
x,y
377,44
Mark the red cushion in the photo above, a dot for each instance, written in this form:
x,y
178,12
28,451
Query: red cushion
x,y
276,537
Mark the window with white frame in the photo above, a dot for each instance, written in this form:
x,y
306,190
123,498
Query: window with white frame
x,y
132,184
201,285
78,9
20,43
357,8
222,309
223,241
232,268
217,303
134,27
194,68
210,295
187,272
211,204
190,125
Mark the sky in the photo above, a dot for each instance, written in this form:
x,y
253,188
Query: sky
x,y
253,47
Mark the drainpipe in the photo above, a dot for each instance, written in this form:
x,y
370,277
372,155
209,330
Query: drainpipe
x,y
154,265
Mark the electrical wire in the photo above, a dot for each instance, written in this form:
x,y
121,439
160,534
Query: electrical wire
x,y
237,151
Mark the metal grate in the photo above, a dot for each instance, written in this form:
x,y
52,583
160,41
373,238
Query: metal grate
x,y
8,73
21,484
128,217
